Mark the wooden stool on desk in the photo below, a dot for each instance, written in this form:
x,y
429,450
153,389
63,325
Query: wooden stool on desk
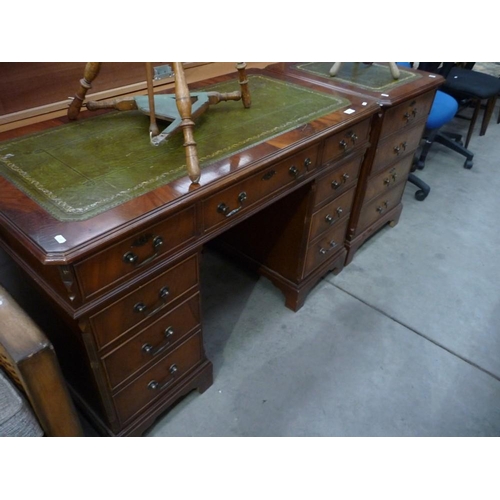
x,y
187,106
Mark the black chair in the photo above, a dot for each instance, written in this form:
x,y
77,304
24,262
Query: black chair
x,y
469,88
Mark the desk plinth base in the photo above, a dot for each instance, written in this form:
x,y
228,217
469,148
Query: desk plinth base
x,y
391,218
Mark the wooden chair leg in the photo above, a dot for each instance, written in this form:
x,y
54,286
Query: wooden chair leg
x,y
90,73
473,122
490,106
245,92
183,101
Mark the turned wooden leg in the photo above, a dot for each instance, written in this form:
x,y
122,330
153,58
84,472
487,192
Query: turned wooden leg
x,y
335,68
90,73
245,92
183,101
394,70
153,127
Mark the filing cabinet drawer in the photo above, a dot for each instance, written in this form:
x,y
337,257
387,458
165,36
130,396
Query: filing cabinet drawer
x,y
342,143
379,206
159,379
146,302
388,178
337,181
332,214
152,342
407,114
236,199
396,146
325,247
135,253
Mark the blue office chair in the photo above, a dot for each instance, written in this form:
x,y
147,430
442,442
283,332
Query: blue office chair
x,y
443,110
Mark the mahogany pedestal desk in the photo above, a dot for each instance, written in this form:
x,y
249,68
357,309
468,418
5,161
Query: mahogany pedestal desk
x,y
125,278
395,135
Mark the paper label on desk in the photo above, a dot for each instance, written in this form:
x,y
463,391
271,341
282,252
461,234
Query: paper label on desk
x,y
60,238
349,111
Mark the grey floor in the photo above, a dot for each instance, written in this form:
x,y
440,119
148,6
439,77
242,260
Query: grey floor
x,y
404,342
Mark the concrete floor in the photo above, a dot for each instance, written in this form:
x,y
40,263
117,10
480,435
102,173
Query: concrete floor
x,y
404,342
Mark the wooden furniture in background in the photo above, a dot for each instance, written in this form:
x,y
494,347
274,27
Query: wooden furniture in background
x,y
395,135
28,357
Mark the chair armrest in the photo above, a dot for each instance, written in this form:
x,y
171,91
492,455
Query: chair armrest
x,y
29,358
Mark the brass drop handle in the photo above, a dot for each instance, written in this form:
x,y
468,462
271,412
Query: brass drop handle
x,y
293,170
353,137
149,349
383,208
336,184
330,220
402,146
140,307
132,258
412,113
224,209
154,385
324,251
343,144
307,162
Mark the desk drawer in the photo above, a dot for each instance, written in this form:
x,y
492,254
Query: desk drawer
x,y
396,146
342,143
159,379
152,342
332,214
136,252
236,199
406,114
388,178
325,247
379,206
337,181
145,303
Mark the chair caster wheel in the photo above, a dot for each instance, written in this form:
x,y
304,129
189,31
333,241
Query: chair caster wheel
x,y
468,164
421,195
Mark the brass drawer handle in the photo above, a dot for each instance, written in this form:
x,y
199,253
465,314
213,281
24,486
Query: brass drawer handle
x,y
412,114
324,251
132,258
330,220
353,137
224,209
149,349
400,147
336,184
140,307
293,170
343,144
156,386
307,162
383,208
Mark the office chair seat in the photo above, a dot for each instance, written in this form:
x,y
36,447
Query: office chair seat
x,y
467,85
472,83
444,108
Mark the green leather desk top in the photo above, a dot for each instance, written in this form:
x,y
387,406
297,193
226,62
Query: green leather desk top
x,y
374,77
81,169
